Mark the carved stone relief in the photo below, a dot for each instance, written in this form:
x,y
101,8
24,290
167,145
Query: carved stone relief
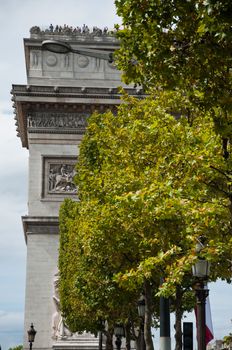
x,y
59,330
61,178
58,177
37,121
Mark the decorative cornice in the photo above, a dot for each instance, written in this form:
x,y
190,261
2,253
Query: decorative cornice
x,y
67,91
40,225
35,99
52,101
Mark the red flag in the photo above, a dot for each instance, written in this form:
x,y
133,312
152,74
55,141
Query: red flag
x,y
208,322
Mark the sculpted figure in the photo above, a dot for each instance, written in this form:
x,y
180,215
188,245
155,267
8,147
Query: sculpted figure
x,y
59,329
52,180
61,178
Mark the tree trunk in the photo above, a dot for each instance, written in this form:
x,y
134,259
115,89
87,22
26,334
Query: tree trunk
x,y
128,338
178,314
148,316
134,335
109,341
137,343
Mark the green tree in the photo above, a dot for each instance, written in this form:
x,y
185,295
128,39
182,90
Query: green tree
x,y
144,181
18,347
182,45
89,297
151,184
227,340
178,44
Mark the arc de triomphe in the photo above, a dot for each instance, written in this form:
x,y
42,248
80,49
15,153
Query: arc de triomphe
x,y
51,112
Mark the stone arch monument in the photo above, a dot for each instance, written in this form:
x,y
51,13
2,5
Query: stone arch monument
x,y
51,113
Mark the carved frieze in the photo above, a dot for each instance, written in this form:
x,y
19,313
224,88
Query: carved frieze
x,y
57,121
58,177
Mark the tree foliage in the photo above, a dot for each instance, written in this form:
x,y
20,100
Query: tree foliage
x,y
17,347
178,44
149,175
144,178
227,340
157,176
89,296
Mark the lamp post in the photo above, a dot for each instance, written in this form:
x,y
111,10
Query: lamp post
x,y
141,312
119,333
201,271
31,335
61,47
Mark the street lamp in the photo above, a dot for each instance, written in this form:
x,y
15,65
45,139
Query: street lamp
x,y
141,306
31,335
141,311
61,47
119,333
201,271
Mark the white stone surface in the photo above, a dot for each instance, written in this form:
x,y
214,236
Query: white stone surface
x,y
42,255
49,68
39,148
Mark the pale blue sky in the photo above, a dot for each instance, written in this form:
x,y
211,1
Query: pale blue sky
x,y
16,18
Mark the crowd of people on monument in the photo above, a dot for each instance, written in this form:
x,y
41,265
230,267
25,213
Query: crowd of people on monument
x,y
65,29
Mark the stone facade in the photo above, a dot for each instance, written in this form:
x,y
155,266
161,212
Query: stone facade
x,y
51,114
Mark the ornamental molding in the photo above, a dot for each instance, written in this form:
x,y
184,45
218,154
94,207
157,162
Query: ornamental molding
x,y
40,225
66,91
46,121
75,104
